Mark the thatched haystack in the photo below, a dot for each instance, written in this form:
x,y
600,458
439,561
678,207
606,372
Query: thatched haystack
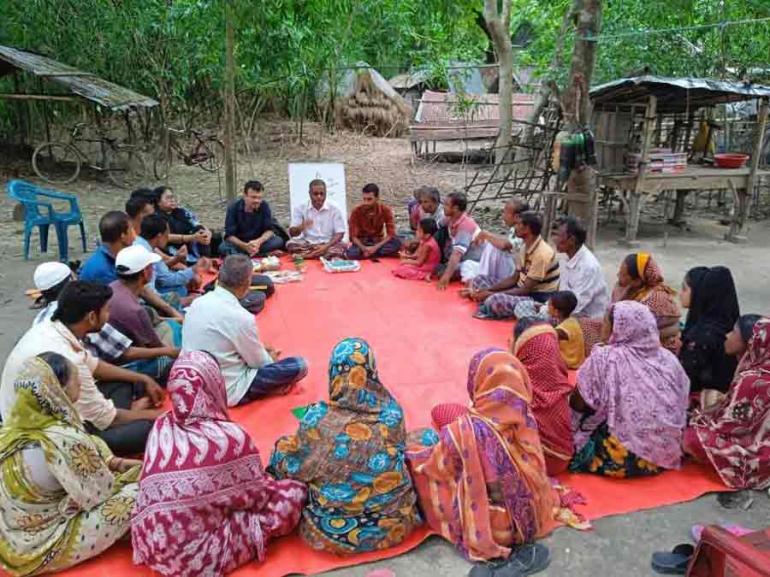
x,y
366,102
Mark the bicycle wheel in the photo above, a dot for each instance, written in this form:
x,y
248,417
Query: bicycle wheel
x,y
125,166
56,162
161,166
215,155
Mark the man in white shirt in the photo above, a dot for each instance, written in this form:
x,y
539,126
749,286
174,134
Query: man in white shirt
x,y
218,324
317,227
110,409
502,255
581,272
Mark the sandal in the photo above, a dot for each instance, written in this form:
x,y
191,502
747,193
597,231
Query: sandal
x,y
675,562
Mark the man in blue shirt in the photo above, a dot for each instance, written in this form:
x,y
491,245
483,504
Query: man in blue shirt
x,y
154,234
249,225
117,233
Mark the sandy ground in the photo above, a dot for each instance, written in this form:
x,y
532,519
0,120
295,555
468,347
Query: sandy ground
x,y
619,545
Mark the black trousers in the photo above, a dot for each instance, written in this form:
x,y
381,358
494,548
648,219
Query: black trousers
x,y
129,439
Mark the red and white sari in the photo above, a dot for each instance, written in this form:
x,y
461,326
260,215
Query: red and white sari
x,y
205,505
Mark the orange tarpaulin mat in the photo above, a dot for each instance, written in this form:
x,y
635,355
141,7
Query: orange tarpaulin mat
x,y
423,340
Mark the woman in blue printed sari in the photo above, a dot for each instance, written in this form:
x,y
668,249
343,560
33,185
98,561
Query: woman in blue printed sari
x,y
350,453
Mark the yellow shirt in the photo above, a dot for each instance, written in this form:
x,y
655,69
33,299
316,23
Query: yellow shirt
x,y
573,349
542,266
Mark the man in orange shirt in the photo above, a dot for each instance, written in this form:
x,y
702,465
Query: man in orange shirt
x,y
372,227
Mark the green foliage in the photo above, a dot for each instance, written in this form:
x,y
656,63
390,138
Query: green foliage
x,y
692,51
174,49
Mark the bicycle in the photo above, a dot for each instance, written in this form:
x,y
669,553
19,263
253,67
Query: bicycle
x,y
60,162
206,151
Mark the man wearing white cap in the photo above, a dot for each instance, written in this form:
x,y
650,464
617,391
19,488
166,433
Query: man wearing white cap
x,y
134,266
109,344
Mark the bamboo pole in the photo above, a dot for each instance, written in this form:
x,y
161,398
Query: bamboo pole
x,y
742,209
636,195
231,173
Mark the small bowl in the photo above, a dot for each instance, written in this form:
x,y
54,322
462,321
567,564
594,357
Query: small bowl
x,y
731,160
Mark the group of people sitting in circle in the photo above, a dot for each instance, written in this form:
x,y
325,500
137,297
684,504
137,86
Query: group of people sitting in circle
x,y
88,453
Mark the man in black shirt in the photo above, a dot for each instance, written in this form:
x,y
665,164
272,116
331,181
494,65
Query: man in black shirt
x,y
249,225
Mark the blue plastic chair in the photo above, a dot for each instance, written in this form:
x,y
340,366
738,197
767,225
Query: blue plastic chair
x,y
39,212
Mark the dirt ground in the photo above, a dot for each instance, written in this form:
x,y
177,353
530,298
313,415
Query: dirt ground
x,y
619,545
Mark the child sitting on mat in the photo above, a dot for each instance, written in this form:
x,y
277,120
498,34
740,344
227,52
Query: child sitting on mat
x,y
420,264
571,344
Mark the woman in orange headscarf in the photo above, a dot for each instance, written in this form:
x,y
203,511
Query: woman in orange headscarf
x,y
640,279
481,481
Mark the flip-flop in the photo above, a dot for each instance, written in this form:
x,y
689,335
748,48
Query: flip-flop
x,y
528,559
675,562
736,500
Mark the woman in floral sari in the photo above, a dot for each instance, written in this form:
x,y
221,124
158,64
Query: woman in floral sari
x,y
630,401
640,279
205,506
734,436
482,481
350,452
64,497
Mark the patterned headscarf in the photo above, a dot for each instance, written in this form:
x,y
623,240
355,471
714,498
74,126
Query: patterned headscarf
x,y
43,414
637,387
495,444
36,530
198,465
538,350
350,452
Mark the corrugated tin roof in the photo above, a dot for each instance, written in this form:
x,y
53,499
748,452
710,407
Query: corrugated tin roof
x,y
675,94
85,84
441,107
410,79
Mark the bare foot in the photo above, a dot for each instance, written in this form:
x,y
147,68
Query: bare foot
x,y
141,404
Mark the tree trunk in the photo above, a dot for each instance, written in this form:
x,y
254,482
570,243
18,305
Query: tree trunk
x,y
499,26
231,171
576,104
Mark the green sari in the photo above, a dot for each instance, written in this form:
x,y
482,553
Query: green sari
x,y
45,529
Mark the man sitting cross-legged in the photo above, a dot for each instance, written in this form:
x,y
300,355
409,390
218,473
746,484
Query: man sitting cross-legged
x,y
317,226
501,255
249,224
218,324
116,409
372,227
536,280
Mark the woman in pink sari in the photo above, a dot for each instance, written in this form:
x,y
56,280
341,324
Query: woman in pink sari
x,y
205,505
630,401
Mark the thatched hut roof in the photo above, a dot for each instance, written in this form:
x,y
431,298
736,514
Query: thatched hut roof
x,y
364,100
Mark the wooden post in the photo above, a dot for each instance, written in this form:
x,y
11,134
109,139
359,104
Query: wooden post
x,y
635,198
743,197
21,117
231,172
